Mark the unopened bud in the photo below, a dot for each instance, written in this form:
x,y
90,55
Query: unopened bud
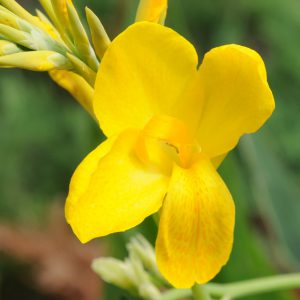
x,y
81,40
132,274
149,291
152,11
115,272
8,48
9,19
100,38
139,246
35,61
19,11
15,35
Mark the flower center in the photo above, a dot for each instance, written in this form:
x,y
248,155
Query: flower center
x,y
165,140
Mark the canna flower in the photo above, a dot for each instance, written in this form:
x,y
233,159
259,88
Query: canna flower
x,y
169,124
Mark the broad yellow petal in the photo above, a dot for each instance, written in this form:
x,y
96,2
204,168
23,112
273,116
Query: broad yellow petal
x,y
196,226
143,73
81,178
236,98
217,160
113,193
152,11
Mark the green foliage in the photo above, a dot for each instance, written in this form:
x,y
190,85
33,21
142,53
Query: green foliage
x,y
43,137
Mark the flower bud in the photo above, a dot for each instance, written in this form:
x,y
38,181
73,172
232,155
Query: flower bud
x,y
115,272
100,38
152,11
140,247
7,47
35,61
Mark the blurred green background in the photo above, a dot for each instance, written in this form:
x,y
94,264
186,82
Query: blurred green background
x,y
44,134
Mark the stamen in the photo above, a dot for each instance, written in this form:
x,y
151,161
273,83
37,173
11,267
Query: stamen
x,y
166,140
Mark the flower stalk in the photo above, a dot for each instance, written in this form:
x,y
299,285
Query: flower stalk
x,y
240,289
200,292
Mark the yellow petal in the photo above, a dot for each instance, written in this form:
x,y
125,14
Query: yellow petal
x,y
236,97
81,178
217,160
143,72
76,86
152,11
196,226
112,193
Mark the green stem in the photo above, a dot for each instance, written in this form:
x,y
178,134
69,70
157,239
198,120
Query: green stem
x,y
200,292
261,285
175,294
241,289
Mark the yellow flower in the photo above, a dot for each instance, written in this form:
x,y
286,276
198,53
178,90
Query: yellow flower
x,y
168,124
